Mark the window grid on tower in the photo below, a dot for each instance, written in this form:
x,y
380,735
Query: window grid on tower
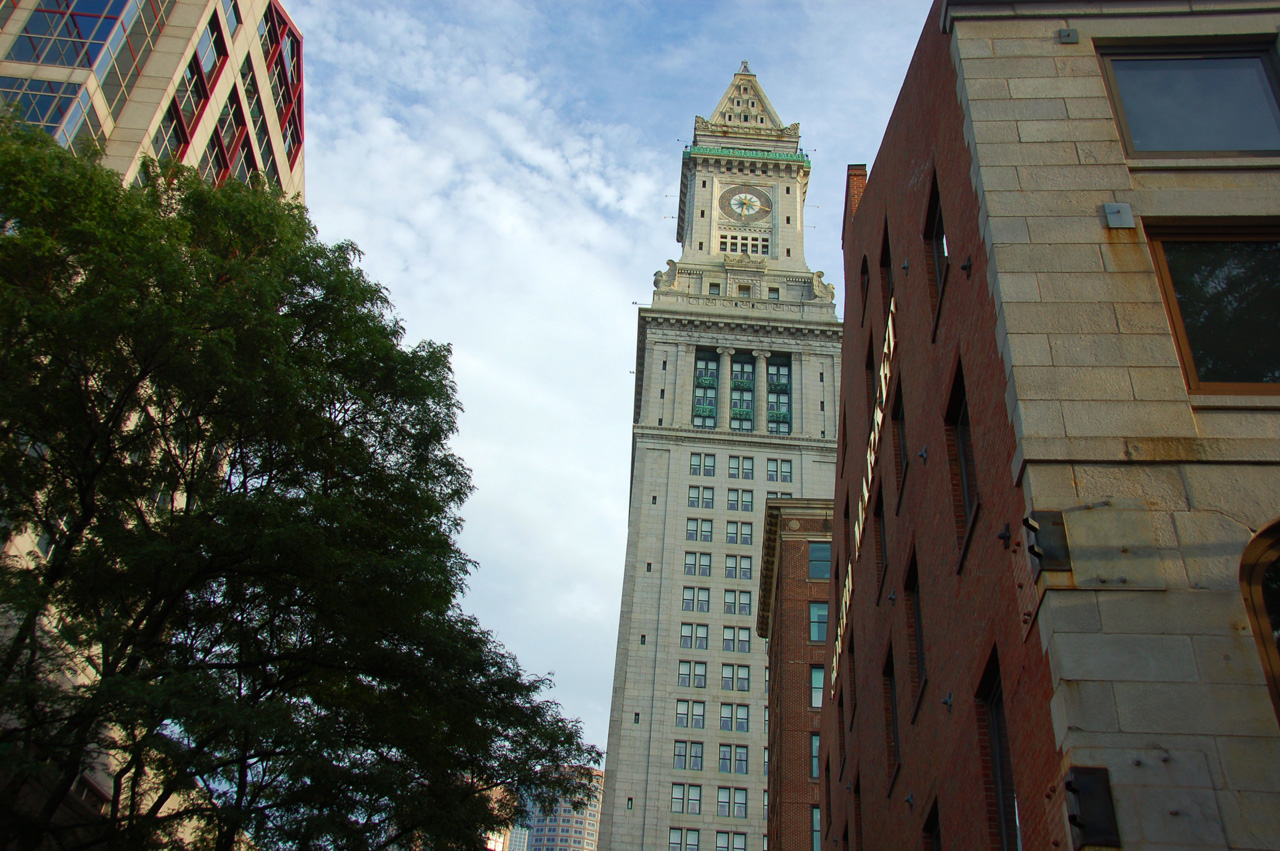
x,y
706,381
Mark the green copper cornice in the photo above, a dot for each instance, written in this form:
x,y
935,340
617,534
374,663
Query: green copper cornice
x,y
745,152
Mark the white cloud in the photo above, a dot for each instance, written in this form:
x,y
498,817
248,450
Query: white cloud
x,y
506,168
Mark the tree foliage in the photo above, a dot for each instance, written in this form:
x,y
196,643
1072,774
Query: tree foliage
x,y
229,592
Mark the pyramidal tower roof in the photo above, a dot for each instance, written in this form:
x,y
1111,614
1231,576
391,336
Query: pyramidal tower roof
x,y
744,118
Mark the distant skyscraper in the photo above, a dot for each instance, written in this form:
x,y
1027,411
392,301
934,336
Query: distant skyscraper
x,y
215,84
566,829
736,367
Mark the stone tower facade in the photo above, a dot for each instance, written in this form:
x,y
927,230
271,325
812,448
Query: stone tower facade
x,y
737,362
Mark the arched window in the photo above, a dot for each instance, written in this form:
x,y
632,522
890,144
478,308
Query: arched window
x,y
1260,584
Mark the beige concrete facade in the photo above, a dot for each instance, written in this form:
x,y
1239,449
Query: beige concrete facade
x,y
1161,485
123,109
749,319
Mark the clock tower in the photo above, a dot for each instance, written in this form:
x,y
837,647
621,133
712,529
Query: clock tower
x,y
737,369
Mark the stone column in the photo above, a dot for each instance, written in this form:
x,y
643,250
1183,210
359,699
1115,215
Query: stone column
x,y
682,386
723,382
797,381
761,395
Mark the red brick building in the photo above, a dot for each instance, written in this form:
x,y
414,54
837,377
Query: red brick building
x,y
794,586
1030,339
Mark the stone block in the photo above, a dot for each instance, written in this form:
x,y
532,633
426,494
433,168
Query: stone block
x,y
1179,815
1027,350
1077,130
1128,419
1055,382
1149,766
1158,384
994,131
1052,486
1037,28
1251,764
1248,494
1101,152
1115,548
1025,46
1040,86
1060,318
1211,545
1218,613
1084,65
1005,229
1087,706
1109,286
1116,349
1139,318
1251,820
1186,708
1021,109
974,48
1022,153
986,88
1118,657
1238,425
1229,659
1010,68
1126,256
1080,229
1062,258
1078,177
1096,107
1016,286
1055,203
997,179
1041,419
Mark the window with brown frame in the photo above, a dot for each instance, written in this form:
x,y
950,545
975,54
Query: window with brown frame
x,y
1196,100
1222,292
1260,584
864,284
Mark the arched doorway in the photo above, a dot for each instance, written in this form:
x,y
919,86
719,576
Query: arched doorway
x,y
1260,584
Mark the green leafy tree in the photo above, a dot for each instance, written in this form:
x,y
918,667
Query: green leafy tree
x,y
229,595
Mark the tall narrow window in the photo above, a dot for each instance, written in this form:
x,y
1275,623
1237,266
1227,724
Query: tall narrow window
x,y
1002,805
864,286
932,831
813,756
901,452
819,559
878,544
964,484
815,686
937,259
818,622
705,385
915,628
891,739
816,813
779,394
871,382
886,272
742,393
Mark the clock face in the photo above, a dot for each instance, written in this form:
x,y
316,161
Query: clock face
x,y
745,204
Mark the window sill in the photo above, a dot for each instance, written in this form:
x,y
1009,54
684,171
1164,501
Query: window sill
x,y
1265,401
1203,163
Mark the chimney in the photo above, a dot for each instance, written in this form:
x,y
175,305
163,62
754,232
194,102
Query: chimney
x,y
855,184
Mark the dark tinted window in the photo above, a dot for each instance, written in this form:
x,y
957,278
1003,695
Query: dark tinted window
x,y
1188,104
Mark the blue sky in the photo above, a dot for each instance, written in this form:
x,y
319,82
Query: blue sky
x,y
509,168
